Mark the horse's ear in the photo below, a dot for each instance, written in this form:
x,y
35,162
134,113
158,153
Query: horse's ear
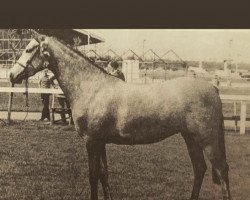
x,y
40,38
44,48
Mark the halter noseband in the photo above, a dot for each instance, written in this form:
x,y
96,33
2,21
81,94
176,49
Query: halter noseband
x,y
29,62
25,67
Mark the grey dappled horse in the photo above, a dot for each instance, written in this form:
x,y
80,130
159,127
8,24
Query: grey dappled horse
x,y
107,110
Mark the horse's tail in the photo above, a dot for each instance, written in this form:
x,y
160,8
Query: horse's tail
x,y
222,149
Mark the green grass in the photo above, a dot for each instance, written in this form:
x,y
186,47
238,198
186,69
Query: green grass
x,y
49,162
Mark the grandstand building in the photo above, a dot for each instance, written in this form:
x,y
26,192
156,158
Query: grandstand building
x,y
14,41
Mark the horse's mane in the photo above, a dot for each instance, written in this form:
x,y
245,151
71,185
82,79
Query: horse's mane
x,y
82,55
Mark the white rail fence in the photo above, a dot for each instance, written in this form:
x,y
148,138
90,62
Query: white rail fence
x,y
12,90
242,99
30,90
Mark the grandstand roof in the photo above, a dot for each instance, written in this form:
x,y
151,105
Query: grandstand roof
x,y
68,34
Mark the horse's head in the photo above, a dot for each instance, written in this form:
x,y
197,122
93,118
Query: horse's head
x,y
34,58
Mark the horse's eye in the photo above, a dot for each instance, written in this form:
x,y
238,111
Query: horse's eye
x,y
46,64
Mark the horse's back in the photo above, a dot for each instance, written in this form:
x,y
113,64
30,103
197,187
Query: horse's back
x,y
190,89
186,91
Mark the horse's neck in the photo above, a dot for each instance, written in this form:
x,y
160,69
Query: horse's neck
x,y
76,75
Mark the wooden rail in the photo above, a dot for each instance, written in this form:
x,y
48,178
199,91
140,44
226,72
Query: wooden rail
x,y
243,100
30,90
12,90
231,98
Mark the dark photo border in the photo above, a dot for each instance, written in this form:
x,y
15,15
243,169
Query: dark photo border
x,y
124,14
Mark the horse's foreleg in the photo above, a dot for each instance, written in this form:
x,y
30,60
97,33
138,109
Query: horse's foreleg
x,y
104,176
94,154
199,164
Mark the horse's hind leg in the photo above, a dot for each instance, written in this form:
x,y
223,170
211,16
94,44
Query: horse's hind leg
x,y
94,155
220,168
199,164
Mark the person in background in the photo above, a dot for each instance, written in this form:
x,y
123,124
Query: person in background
x,y
113,69
45,82
217,80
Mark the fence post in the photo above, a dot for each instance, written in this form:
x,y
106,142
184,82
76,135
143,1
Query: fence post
x,y
146,75
165,69
53,110
10,105
235,115
243,114
153,74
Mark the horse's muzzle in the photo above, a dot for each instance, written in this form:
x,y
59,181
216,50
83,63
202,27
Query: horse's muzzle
x,y
14,79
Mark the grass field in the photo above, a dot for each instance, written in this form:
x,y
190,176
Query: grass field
x,y
49,162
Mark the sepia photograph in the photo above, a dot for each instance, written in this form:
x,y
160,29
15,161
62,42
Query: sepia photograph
x,y
125,114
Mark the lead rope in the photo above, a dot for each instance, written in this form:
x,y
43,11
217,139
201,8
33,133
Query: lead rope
x,y
26,95
26,89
